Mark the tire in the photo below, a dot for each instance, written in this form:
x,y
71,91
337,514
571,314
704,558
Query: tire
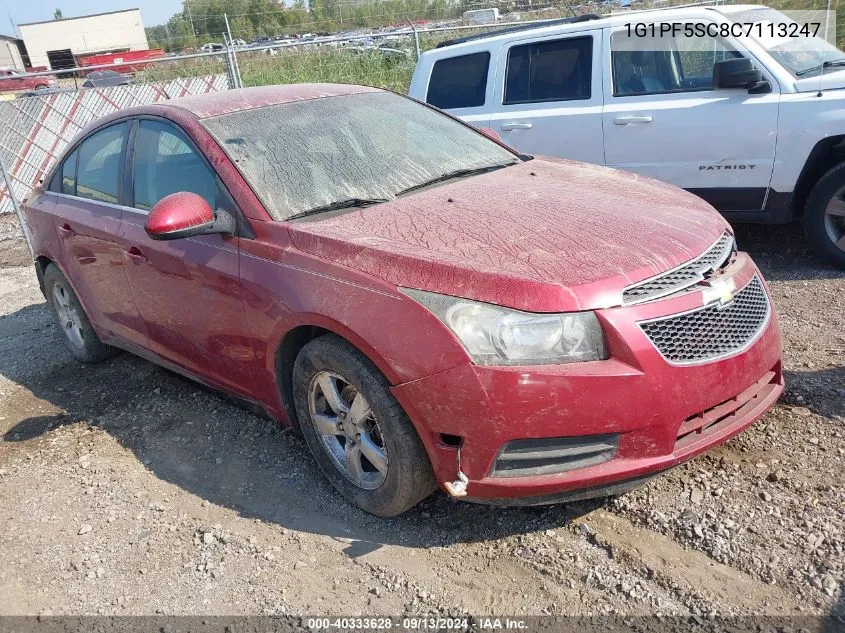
x,y
824,216
81,338
400,474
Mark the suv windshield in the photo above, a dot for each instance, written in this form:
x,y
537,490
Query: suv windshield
x,y
802,56
369,146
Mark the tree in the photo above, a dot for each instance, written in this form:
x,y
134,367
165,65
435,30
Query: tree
x,y
57,15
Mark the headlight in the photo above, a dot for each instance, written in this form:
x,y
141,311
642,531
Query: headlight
x,y
494,335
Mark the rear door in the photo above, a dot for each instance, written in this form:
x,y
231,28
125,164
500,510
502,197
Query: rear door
x,y
548,99
663,118
88,192
188,290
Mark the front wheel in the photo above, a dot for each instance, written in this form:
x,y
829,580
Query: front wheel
x,y
358,433
824,216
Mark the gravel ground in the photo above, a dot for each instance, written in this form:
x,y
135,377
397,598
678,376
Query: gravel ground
x,y
126,489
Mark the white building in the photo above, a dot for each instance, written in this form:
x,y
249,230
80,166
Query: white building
x,y
55,43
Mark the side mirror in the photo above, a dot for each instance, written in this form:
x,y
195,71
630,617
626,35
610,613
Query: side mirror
x,y
183,214
737,73
491,133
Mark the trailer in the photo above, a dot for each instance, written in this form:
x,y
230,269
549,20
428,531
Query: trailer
x,y
129,61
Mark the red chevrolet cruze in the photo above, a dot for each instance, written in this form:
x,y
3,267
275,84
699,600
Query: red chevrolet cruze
x,y
425,305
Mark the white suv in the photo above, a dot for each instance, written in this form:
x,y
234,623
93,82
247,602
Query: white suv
x,y
749,123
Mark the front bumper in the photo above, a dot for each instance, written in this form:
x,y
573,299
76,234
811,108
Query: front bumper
x,y
662,414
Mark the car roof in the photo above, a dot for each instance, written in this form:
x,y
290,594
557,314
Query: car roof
x,y
227,101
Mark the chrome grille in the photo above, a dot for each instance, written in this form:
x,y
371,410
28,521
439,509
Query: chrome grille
x,y
682,277
713,331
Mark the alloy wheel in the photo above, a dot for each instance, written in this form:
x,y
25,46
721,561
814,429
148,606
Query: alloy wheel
x,y
69,319
348,429
834,219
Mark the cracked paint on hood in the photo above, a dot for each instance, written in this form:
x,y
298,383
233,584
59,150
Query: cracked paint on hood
x,y
545,235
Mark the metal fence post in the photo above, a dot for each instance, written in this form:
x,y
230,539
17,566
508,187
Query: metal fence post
x,y
21,220
416,35
231,59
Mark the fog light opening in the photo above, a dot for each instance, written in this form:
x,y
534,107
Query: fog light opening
x,y
452,441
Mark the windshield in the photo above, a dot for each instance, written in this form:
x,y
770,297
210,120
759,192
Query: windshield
x,y
802,56
369,146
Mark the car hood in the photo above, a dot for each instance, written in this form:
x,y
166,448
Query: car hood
x,y
832,80
544,236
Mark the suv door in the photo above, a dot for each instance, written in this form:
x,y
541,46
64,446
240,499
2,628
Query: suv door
x,y
88,193
548,97
663,118
188,290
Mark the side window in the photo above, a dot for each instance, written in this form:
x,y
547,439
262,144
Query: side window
x,y
459,82
98,167
165,162
556,70
68,175
681,63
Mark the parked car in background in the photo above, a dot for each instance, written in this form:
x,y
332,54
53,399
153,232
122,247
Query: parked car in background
x,y
482,16
754,126
12,80
423,303
105,79
211,47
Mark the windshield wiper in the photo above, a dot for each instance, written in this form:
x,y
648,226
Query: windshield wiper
x,y
458,173
821,68
349,203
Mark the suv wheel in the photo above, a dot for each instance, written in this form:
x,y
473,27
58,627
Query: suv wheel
x,y
81,338
824,216
358,433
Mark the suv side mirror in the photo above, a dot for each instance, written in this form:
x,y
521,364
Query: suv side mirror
x,y
739,73
183,214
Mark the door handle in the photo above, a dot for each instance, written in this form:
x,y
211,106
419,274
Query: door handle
x,y
136,256
66,231
625,120
507,127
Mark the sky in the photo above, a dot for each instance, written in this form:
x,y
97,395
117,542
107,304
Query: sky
x,y
21,11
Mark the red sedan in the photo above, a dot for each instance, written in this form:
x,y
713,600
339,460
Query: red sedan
x,y
12,80
426,306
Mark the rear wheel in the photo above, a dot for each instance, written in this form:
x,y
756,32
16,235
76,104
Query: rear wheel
x,y
358,433
81,338
824,216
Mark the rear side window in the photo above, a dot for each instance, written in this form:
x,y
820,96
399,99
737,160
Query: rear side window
x,y
557,70
459,82
68,184
98,169
165,162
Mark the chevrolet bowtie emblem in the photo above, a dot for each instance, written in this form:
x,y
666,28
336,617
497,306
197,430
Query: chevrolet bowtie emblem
x,y
721,290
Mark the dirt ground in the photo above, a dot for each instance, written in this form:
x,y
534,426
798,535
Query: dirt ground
x,y
125,489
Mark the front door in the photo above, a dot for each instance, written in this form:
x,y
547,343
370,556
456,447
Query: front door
x,y
548,98
663,118
87,218
188,290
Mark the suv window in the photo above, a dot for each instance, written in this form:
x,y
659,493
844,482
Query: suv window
x,y
459,82
98,169
556,70
676,64
166,162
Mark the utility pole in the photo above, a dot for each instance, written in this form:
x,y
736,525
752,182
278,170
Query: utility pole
x,y
190,17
